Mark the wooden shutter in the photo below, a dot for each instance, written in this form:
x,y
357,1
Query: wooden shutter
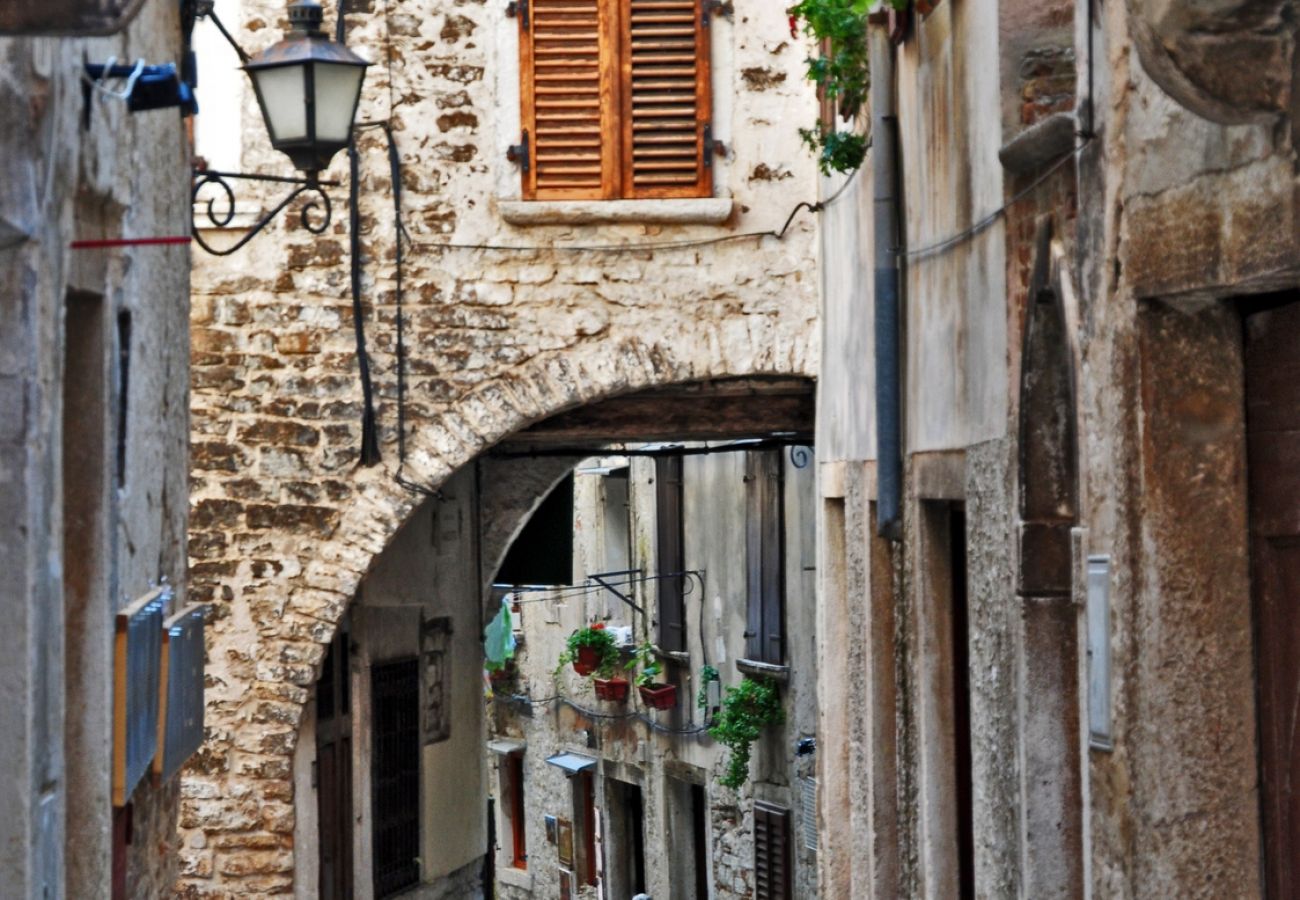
x,y
771,852
568,92
668,519
765,570
666,110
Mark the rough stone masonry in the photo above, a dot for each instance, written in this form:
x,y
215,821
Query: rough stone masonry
x,y
283,520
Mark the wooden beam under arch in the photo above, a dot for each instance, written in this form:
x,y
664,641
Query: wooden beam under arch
x,y
703,411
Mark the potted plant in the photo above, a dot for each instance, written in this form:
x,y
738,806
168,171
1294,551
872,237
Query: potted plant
x,y
614,688
589,650
654,694
746,711
502,674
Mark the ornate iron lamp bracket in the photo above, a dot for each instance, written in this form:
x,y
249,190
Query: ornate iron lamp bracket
x,y
315,214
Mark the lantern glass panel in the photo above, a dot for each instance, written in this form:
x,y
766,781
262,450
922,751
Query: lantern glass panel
x,y
337,89
284,101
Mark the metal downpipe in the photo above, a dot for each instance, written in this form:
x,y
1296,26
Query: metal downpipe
x,y
888,327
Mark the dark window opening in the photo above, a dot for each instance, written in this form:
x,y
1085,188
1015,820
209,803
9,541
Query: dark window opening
x,y
542,554
700,839
670,553
961,702
395,775
625,840
123,389
764,557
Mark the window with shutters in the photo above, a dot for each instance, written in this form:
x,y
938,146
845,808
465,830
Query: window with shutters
x,y
512,795
670,557
771,852
615,99
764,558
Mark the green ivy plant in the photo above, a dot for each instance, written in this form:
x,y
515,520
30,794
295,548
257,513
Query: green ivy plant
x,y
842,71
651,668
600,640
746,711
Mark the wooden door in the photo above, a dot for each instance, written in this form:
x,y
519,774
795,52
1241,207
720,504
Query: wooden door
x,y
1273,427
334,772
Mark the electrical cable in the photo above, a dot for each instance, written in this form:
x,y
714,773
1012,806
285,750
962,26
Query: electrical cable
x,y
610,717
370,455
991,218
582,591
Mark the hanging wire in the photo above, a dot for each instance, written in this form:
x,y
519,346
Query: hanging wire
x,y
587,590
984,223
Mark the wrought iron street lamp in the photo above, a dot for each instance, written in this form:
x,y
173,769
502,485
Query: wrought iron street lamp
x,y
308,88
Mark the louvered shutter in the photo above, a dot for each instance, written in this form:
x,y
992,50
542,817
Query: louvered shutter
x,y
764,562
666,99
668,517
771,852
568,89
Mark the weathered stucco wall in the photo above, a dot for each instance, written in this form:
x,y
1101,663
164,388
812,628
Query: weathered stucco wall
x,y
1161,219
124,176
284,522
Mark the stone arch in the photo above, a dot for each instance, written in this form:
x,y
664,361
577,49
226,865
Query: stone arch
x,y
1048,494
499,409
1228,61
239,794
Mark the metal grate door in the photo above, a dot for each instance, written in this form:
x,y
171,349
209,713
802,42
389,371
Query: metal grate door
x,y
395,775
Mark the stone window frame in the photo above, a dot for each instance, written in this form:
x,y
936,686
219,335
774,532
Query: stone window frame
x,y
716,210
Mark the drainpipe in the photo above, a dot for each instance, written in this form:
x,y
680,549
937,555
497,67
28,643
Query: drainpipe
x,y
884,172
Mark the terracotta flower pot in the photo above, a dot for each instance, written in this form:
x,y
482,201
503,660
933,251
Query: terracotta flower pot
x,y
658,696
587,661
613,689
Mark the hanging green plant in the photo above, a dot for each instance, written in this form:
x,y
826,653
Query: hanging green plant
x,y
708,674
842,71
590,650
746,711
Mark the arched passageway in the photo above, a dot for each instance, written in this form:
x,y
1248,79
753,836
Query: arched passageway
x,y
417,565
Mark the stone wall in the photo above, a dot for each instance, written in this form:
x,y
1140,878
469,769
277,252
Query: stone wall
x,y
1156,224
92,462
284,521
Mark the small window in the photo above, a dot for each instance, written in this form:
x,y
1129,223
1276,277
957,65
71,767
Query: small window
x,y
764,558
615,99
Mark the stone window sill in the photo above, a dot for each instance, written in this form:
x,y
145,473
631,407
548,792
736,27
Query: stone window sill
x,y
518,878
703,211
754,667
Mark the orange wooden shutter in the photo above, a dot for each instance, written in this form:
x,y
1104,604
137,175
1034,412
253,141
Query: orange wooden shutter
x,y
666,99
568,91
